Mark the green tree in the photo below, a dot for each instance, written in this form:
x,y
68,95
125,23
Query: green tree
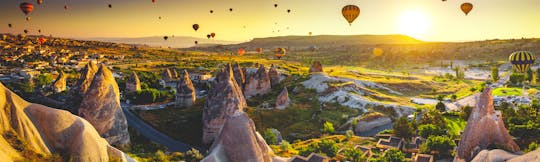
x,y
285,146
193,155
495,73
328,128
529,76
532,146
517,78
441,145
349,134
465,112
434,117
440,106
454,97
354,155
428,130
538,75
328,147
393,155
402,128
44,79
270,137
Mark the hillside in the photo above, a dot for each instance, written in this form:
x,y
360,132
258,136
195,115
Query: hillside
x,y
157,41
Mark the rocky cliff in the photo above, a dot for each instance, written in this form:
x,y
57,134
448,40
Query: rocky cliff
x,y
59,85
484,127
185,92
34,132
133,84
257,83
101,107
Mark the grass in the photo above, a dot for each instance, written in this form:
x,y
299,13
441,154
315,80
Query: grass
x,y
507,91
454,125
342,142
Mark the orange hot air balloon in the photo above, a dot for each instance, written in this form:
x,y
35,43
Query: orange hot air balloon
x,y
213,35
39,2
42,40
259,50
280,52
350,12
27,8
466,8
241,51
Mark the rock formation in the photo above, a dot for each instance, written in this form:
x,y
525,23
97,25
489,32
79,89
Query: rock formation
x,y
499,155
87,75
239,75
174,73
167,75
223,100
133,84
101,107
316,67
283,101
257,83
47,130
59,85
484,127
274,75
185,92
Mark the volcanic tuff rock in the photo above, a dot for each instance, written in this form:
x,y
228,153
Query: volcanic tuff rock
x,y
185,92
499,155
87,75
283,101
275,77
47,130
316,67
133,84
484,127
174,73
223,100
59,84
101,107
239,75
239,141
258,83
167,75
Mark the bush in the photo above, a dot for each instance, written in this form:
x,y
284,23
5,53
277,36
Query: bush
x,y
465,112
440,106
270,137
150,95
160,156
428,130
354,155
443,145
193,155
393,155
328,128
402,128
349,134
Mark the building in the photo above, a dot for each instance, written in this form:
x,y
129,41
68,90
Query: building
x,y
422,158
313,157
390,143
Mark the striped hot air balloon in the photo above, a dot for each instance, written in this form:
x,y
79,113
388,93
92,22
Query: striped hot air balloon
x,y
27,8
350,12
521,60
280,52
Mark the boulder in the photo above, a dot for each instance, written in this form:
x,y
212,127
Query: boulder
x,y
45,131
274,75
101,107
257,83
222,101
484,127
59,85
367,124
283,101
316,67
133,84
185,92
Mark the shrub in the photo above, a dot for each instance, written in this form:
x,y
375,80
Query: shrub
x,y
328,127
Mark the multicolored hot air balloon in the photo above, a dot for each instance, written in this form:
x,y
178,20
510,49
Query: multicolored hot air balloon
x,y
42,40
521,60
25,31
213,35
195,27
110,5
27,8
259,50
350,12
466,8
241,51
39,2
280,52
66,7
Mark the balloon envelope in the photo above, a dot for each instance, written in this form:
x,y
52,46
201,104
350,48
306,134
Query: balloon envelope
x,y
521,60
259,50
39,2
27,8
241,51
165,37
42,40
213,35
466,8
350,13
280,52
195,27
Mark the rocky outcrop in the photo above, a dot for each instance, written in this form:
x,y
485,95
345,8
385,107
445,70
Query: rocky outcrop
x,y
239,75
223,100
316,67
87,75
45,131
484,127
367,124
167,75
133,84
101,107
283,101
530,156
499,155
274,75
257,83
174,73
59,85
185,92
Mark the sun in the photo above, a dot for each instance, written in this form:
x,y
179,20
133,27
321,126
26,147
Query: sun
x,y
413,23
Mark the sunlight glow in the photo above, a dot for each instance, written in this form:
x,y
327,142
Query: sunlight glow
x,y
414,23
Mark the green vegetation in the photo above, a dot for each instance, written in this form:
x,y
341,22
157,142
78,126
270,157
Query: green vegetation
x,y
495,73
328,128
150,95
391,155
438,145
402,128
428,130
270,137
507,91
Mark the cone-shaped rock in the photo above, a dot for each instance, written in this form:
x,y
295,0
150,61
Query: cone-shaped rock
x,y
133,84
223,100
45,130
239,75
101,107
87,75
59,85
283,101
185,92
258,83
167,75
274,76
316,67
484,127
174,73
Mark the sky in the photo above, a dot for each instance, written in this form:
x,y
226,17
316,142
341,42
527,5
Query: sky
x,y
428,20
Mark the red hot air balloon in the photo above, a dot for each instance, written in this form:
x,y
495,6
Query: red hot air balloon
x,y
42,40
27,8
241,51
213,35
195,27
39,2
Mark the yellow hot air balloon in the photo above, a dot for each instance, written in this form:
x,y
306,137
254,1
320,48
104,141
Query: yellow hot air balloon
x,y
521,60
350,12
280,52
377,51
466,8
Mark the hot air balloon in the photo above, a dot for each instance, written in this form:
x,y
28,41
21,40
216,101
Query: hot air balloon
x,y
466,8
153,1
310,33
110,5
27,8
159,17
350,12
66,7
241,51
27,18
312,48
25,31
377,51
259,50
208,36
39,2
521,60
275,5
289,11
39,31
230,9
42,40
196,42
213,35
195,27
9,25
211,11
165,37
279,52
